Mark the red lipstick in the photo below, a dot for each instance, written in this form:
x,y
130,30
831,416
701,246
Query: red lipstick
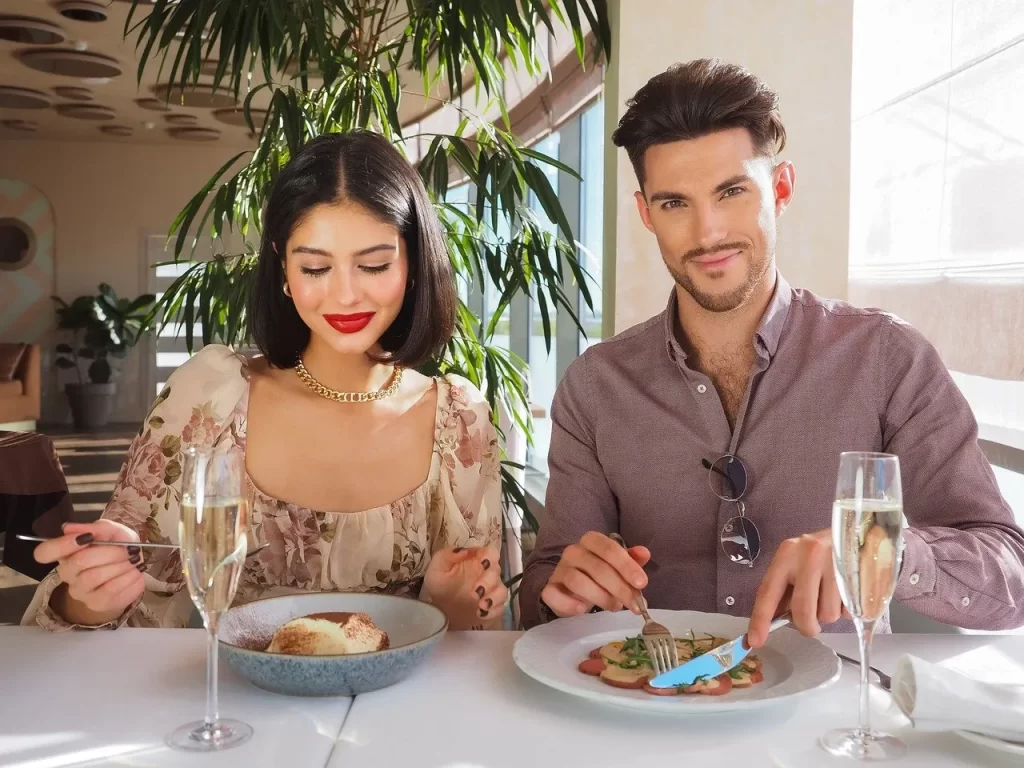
x,y
349,323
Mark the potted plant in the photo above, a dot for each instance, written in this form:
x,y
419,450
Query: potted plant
x,y
104,327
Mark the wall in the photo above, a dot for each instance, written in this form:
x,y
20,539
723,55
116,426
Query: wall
x,y
106,197
802,49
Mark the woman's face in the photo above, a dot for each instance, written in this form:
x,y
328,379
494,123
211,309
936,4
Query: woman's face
x,y
347,272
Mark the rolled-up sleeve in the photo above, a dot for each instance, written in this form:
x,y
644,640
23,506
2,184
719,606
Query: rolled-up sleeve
x,y
964,554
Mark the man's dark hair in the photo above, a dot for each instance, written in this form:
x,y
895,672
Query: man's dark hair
x,y
691,100
364,168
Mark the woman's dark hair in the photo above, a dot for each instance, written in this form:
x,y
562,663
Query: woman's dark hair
x,y
691,100
364,168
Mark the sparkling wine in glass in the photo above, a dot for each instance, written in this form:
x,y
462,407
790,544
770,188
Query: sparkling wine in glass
x,y
212,535
867,549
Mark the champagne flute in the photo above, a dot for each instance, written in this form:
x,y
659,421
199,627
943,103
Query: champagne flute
x,y
212,533
867,549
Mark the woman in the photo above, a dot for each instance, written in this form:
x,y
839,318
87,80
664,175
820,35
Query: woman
x,y
396,492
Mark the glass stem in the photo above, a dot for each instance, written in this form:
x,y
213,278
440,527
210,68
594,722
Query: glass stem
x,y
865,631
212,715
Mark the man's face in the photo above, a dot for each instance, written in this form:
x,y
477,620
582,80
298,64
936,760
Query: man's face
x,y
712,203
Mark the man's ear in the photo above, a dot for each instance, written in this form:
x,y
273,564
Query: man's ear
x,y
643,209
783,181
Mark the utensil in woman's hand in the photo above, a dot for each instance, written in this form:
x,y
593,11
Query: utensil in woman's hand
x,y
142,544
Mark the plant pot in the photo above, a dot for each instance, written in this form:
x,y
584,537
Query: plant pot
x,y
91,404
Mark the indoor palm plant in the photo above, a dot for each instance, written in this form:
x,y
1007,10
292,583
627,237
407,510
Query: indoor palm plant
x,y
349,57
103,327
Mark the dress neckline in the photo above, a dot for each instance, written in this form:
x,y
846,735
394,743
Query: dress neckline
x,y
442,392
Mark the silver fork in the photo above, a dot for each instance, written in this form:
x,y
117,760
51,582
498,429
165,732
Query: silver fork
x,y
884,681
658,641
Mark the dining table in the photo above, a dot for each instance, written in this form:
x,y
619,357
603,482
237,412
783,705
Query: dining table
x,y
110,697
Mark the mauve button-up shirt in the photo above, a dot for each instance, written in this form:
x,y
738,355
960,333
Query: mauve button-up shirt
x,y
631,422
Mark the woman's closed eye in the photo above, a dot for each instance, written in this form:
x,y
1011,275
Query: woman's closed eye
x,y
314,271
375,269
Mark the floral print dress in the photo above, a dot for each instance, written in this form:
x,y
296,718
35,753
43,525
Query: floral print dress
x,y
384,549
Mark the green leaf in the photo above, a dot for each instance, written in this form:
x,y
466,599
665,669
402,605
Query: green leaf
x,y
65,349
172,471
155,422
170,445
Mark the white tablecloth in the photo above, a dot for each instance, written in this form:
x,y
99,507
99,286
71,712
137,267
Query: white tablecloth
x,y
471,707
108,698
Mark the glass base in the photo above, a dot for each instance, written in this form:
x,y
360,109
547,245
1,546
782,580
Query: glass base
x,y
867,746
199,737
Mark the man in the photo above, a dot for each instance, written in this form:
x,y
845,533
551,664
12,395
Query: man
x,y
709,436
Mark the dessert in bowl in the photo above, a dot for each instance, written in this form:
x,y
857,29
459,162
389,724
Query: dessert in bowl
x,y
329,643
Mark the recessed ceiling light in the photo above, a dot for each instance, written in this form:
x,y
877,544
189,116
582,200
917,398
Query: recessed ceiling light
x,y
237,116
181,119
116,130
200,95
90,67
12,97
153,105
85,111
194,134
30,31
19,125
73,93
82,10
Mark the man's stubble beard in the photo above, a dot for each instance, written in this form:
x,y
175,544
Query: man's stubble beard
x,y
727,302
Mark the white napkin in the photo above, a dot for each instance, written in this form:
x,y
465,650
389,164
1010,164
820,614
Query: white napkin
x,y
937,698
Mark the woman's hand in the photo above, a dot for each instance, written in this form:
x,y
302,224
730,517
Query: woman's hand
x,y
465,583
99,582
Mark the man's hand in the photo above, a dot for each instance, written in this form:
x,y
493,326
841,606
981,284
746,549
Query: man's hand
x,y
597,571
800,577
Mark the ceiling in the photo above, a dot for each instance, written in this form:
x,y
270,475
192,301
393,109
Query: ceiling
x,y
67,73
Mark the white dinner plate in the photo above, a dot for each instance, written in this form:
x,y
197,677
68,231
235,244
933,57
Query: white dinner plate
x,y
792,664
1010,747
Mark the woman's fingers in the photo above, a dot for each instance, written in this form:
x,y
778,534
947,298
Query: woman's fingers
x,y
95,557
493,602
116,594
92,579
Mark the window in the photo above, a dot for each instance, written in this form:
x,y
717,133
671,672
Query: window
x,y
543,364
935,192
592,220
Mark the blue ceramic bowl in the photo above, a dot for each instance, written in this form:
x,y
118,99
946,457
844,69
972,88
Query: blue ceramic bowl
x,y
414,629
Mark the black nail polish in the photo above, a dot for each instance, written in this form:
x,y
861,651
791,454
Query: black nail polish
x,y
482,613
458,549
486,564
489,603
141,567
134,550
134,559
479,591
84,538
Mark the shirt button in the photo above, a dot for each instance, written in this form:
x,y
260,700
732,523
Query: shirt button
x,y
965,602
915,578
730,600
702,388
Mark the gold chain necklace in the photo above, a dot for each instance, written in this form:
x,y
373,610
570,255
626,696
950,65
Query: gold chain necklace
x,y
347,397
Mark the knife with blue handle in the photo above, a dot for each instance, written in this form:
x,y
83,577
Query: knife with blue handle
x,y
714,662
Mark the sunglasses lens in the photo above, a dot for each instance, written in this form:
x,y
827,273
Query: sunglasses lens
x,y
740,540
729,478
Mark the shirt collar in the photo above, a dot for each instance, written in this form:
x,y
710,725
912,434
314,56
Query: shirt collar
x,y
769,330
